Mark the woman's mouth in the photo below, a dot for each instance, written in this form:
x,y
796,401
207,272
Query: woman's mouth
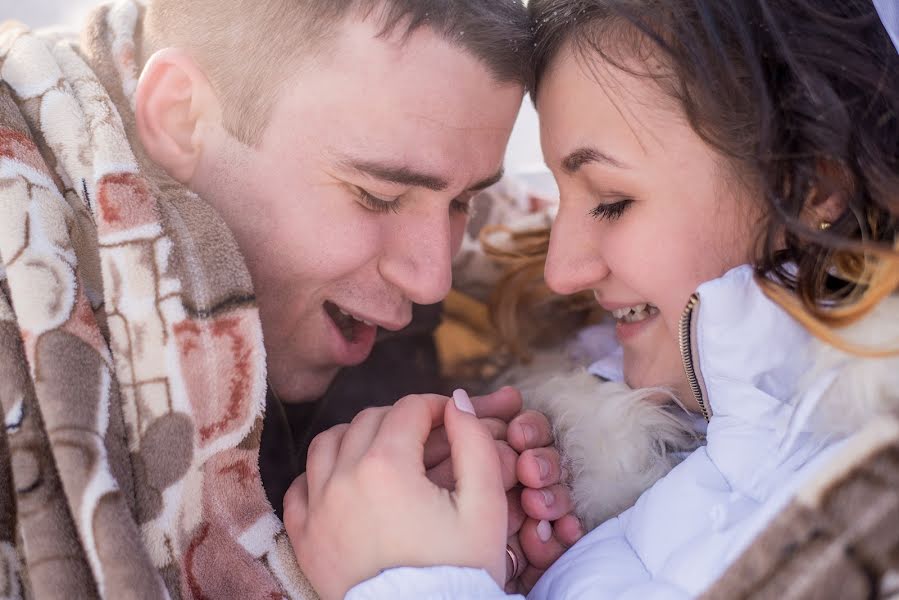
x,y
635,314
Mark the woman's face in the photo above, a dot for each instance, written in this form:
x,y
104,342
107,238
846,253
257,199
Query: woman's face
x,y
648,210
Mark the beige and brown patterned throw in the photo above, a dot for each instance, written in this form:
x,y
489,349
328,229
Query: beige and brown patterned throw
x,y
132,370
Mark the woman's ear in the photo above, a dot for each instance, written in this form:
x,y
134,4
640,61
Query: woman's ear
x,y
827,201
173,99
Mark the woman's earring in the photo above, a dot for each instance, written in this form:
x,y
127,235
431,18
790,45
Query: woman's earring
x,y
824,225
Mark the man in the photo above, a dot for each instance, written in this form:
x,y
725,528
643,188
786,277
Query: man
x,y
175,189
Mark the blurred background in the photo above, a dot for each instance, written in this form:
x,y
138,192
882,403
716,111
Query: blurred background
x,y
523,158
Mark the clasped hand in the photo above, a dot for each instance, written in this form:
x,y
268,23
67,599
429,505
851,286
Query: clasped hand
x,y
428,483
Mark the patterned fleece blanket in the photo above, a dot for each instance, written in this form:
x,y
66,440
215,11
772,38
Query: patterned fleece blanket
x,y
132,370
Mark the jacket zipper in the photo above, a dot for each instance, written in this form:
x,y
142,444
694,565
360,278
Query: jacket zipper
x,y
686,350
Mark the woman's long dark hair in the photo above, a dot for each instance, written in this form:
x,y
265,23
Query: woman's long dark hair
x,y
802,96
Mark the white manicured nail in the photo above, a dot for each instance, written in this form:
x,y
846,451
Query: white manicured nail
x,y
544,531
463,402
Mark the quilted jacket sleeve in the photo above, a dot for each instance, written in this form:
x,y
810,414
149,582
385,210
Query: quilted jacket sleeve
x,y
432,583
623,576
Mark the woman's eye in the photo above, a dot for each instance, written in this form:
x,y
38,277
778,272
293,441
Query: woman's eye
x,y
376,204
611,211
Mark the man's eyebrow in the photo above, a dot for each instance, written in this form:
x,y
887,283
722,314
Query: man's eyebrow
x,y
583,156
483,185
405,176
398,174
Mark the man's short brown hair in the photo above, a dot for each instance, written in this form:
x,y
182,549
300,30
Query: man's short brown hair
x,y
247,48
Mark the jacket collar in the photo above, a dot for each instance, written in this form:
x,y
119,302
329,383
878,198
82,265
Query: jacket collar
x,y
746,345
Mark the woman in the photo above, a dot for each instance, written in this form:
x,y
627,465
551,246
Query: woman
x,y
728,173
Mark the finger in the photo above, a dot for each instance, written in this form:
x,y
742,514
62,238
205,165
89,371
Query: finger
x,y
549,503
539,468
359,436
514,568
539,543
321,458
516,514
476,463
568,530
406,427
296,506
530,429
442,475
437,447
502,404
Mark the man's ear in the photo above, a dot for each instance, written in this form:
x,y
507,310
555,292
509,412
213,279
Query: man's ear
x,y
172,102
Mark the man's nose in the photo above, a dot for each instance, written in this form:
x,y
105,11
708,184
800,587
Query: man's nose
x,y
418,258
574,262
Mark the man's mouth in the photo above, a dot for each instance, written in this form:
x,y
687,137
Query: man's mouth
x,y
635,314
348,325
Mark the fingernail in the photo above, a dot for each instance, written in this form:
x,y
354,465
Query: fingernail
x,y
463,402
529,432
543,465
544,531
548,497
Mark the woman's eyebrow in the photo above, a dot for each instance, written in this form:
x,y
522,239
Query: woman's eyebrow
x,y
582,156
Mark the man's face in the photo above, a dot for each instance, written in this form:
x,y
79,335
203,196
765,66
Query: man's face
x,y
354,200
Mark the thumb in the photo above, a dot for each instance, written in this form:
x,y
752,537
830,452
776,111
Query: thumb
x,y
476,463
479,494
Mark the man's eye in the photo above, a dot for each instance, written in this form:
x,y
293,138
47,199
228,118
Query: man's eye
x,y
378,205
611,211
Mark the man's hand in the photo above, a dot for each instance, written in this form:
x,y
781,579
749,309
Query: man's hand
x,y
495,410
549,527
365,503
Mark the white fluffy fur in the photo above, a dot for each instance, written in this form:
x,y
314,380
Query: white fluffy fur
x,y
615,442
865,387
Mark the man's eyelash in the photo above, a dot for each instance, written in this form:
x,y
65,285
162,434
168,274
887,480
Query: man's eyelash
x,y
612,211
382,206
377,205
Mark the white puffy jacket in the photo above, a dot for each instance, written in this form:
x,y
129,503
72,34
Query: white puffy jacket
x,y
781,403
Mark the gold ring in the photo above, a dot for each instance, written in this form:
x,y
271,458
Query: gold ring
x,y
514,558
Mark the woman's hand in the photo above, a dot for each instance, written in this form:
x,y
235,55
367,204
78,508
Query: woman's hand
x,y
550,526
365,503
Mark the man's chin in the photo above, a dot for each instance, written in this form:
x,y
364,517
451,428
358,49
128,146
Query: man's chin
x,y
307,387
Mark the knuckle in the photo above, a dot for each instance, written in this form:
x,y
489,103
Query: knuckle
x,y
368,414
375,467
317,444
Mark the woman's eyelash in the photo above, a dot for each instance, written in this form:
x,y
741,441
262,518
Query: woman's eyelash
x,y
611,211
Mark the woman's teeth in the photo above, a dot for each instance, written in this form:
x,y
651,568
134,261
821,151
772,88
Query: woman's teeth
x,y
634,314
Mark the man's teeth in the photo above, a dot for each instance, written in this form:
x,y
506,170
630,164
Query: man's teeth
x,y
352,316
633,314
